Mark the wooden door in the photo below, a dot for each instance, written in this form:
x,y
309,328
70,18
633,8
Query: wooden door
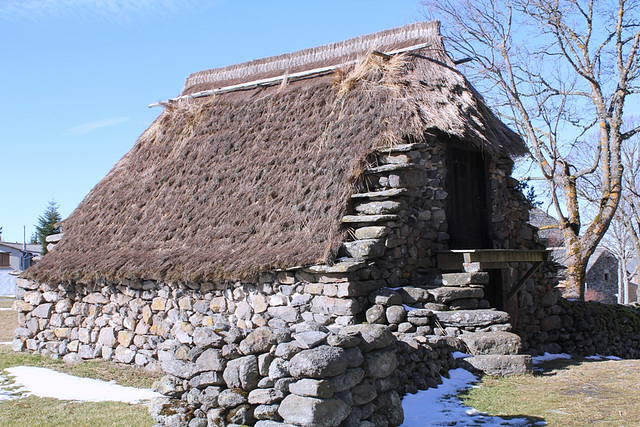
x,y
468,213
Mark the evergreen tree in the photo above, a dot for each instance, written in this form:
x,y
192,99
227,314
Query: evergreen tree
x,y
47,224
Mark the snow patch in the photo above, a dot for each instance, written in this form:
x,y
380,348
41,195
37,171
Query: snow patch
x,y
43,382
548,357
460,355
441,407
599,357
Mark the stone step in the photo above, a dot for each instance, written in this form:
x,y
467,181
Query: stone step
x,y
371,232
54,238
383,194
369,219
413,295
498,365
379,207
483,343
471,318
393,167
465,279
365,249
450,293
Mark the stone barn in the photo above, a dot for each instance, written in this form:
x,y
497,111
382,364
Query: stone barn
x,y
300,240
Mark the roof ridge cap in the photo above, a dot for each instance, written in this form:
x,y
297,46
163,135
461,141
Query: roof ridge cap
x,y
328,54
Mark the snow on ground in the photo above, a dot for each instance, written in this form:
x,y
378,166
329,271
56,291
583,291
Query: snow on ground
x,y
433,407
547,357
4,392
5,308
44,382
599,357
441,406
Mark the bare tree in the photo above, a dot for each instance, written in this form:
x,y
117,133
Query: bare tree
x,y
629,209
556,70
618,242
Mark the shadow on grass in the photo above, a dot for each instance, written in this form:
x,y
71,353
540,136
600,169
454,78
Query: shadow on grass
x,y
552,367
487,420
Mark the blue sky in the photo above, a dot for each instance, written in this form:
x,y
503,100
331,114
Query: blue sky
x,y
76,77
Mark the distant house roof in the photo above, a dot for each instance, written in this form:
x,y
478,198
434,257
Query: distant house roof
x,y
19,246
223,186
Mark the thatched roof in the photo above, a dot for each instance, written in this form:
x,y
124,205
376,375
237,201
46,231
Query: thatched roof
x,y
222,187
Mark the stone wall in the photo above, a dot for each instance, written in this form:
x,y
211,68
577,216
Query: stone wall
x,y
588,328
127,321
304,375
222,370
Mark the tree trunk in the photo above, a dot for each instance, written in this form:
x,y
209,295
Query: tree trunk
x,y
576,272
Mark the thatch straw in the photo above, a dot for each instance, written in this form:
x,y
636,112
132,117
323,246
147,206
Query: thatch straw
x,y
316,57
224,187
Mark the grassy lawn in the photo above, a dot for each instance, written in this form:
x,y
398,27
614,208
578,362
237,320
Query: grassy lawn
x,y
8,320
34,411
574,392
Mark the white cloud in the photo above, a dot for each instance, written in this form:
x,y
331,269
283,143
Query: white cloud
x,y
98,124
115,10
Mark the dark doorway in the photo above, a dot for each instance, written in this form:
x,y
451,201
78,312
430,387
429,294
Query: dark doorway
x,y
468,200
493,292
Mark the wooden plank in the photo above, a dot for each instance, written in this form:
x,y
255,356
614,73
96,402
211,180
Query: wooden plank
x,y
524,279
487,258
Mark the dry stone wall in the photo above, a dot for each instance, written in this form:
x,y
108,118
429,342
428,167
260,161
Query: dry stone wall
x,y
585,329
305,375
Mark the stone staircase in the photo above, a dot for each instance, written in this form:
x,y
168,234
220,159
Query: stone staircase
x,y
485,333
448,305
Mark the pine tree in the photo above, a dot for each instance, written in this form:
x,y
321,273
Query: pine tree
x,y
47,224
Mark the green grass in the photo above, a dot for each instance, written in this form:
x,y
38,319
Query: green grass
x,y
6,302
8,320
33,411
573,392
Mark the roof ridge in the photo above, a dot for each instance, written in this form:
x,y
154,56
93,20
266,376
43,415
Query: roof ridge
x,y
324,55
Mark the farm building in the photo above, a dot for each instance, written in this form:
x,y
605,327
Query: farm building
x,y
304,237
15,258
